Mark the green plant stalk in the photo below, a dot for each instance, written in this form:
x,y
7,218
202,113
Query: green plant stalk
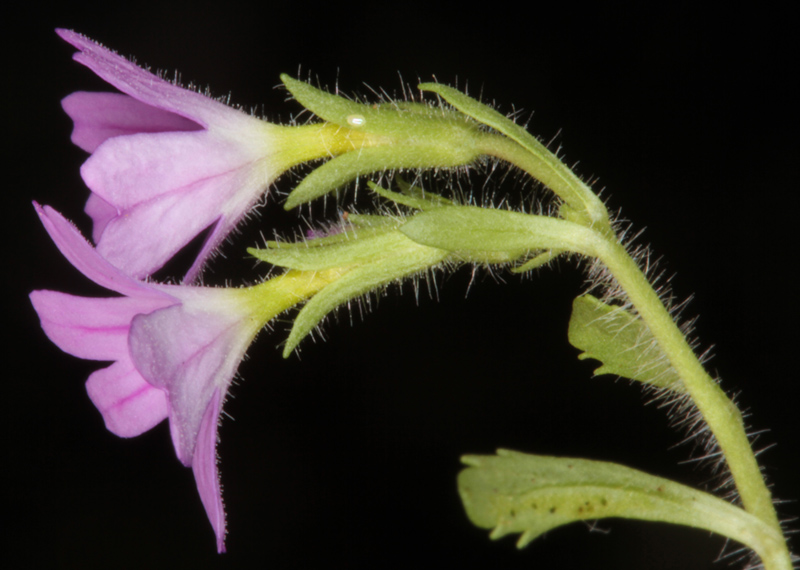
x,y
719,412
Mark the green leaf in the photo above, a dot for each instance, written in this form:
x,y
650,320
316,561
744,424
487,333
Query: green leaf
x,y
621,342
514,492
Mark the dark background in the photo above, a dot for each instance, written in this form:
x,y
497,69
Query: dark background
x,y
347,456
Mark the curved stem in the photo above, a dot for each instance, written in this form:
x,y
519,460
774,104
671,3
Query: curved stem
x,y
719,412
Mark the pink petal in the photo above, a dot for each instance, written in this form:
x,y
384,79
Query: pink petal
x,y
204,465
101,213
127,171
129,404
190,354
164,225
218,233
100,116
166,188
140,176
149,88
91,328
83,256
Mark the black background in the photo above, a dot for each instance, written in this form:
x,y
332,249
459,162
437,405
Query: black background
x,y
347,456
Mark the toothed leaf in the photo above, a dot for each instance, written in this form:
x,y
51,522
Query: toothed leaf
x,y
515,492
621,342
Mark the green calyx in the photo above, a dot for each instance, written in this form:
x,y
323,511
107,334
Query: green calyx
x,y
368,254
398,136
496,236
408,135
517,146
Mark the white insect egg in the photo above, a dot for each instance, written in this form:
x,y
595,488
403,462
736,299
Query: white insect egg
x,y
356,120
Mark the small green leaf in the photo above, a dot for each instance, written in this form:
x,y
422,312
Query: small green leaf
x,y
621,342
514,492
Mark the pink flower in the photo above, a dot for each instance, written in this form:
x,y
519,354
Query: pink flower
x,y
175,351
168,162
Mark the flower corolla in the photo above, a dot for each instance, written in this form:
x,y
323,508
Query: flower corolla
x,y
175,348
168,163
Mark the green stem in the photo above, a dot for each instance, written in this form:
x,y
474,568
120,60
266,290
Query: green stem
x,y
719,412
721,415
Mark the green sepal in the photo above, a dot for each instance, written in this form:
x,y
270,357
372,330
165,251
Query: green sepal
x,y
432,199
514,492
383,119
549,170
406,258
394,155
391,119
485,114
358,246
495,236
411,196
622,342
538,261
397,135
373,221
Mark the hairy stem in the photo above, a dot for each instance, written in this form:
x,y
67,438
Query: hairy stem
x,y
721,415
719,412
